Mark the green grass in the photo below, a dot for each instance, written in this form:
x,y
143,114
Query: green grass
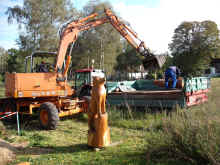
x,y
145,138
67,145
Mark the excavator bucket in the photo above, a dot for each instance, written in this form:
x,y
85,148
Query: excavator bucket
x,y
153,62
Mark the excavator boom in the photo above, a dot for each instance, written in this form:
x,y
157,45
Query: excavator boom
x,y
47,93
69,33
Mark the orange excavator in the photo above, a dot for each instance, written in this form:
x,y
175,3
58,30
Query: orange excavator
x,y
48,94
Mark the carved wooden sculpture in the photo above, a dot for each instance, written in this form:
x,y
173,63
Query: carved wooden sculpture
x,y
99,133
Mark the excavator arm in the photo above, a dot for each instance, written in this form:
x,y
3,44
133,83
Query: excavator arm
x,y
150,61
127,33
69,33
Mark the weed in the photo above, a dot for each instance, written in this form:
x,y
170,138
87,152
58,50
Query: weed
x,y
185,136
191,134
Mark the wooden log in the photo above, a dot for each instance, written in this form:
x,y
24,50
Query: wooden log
x,y
161,83
100,137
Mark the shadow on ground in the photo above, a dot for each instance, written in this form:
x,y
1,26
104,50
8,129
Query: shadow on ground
x,y
50,150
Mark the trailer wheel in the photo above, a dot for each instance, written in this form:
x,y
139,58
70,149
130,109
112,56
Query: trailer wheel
x,y
85,91
48,116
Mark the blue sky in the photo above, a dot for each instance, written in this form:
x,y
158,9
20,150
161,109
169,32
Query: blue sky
x,y
8,33
153,20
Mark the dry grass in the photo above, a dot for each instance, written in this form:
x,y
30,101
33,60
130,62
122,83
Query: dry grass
x,y
190,136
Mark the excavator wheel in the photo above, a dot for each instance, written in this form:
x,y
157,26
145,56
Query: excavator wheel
x,y
48,116
9,106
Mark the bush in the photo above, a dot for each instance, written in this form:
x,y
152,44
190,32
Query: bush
x,y
190,135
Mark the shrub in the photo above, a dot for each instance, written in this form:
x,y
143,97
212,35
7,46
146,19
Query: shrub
x,y
190,135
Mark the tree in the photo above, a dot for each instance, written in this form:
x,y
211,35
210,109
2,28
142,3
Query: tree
x,y
3,60
102,43
193,46
39,20
15,61
128,61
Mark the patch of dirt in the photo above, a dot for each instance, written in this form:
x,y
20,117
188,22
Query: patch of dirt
x,y
8,151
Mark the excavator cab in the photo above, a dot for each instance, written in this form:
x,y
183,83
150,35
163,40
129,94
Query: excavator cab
x,y
40,62
84,79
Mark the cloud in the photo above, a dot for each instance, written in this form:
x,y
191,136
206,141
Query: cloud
x,y
156,25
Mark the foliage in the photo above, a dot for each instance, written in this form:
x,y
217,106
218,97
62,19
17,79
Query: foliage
x,y
3,61
102,43
15,61
193,46
128,61
192,135
39,20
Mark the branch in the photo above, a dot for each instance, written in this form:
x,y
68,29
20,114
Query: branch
x,y
16,13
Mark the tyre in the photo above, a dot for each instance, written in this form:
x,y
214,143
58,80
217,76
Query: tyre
x,y
48,116
85,91
9,106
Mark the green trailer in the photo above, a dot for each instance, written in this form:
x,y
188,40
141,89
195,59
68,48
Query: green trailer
x,y
146,93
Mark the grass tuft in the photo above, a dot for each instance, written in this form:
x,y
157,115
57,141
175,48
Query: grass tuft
x,y
185,136
192,135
